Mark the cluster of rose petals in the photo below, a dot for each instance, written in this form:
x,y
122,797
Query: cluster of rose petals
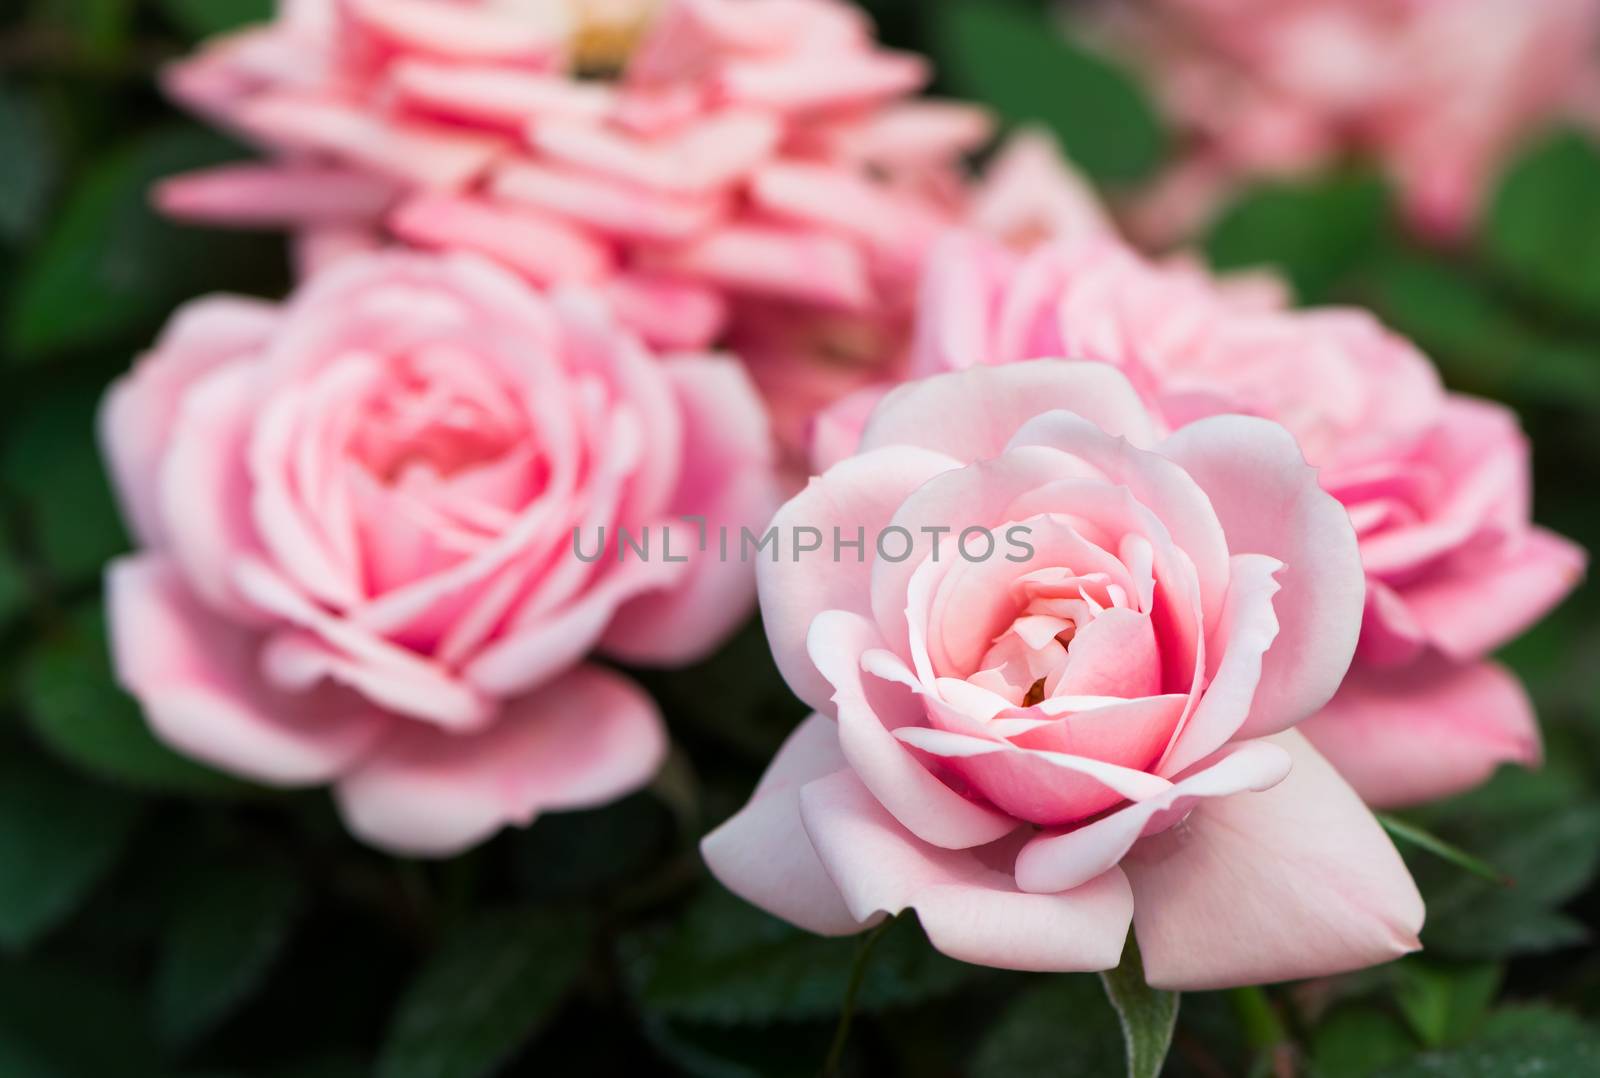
x,y
1437,484
357,514
1438,92
1086,724
749,150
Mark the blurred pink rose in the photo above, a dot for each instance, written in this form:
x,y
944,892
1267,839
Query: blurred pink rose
x,y
358,512
1438,91
1083,719
1436,484
748,150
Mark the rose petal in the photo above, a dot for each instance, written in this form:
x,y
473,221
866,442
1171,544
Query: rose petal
x,y
1295,881
972,415
1268,501
965,899
197,676
1430,730
762,853
1051,863
860,495
581,741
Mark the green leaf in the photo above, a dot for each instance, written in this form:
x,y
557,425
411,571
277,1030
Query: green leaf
x,y
58,839
1527,1041
59,1021
1409,833
228,928
14,590
1016,60
78,711
489,987
110,266
27,164
49,458
203,18
1444,1003
1539,831
1148,1015
1354,1041
596,851
1481,344
1543,225
729,963
1314,231
1059,1026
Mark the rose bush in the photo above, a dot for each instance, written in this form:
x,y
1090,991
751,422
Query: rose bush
x,y
1032,747
357,515
1436,483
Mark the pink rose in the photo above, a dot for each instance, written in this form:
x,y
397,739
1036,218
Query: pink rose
x,y
1056,683
358,515
1440,93
1436,484
749,150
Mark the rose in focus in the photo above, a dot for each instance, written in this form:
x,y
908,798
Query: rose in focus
x,y
1033,752
1436,484
1440,93
356,512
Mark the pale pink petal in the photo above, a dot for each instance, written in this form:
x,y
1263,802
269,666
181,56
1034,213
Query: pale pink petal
x,y
198,678
1157,482
612,206
1030,193
836,430
857,497
274,196
1056,862
204,485
1476,604
972,415
1245,634
729,483
432,156
966,900
528,655
815,80
1043,787
704,157
1429,730
870,709
579,742
839,199
139,411
496,95
770,260
669,314
542,248
1268,501
762,853
1295,881
487,33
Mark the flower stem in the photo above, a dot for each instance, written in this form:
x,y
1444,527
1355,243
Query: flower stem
x,y
847,1010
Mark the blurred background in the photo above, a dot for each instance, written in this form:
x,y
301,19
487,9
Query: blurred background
x,y
159,919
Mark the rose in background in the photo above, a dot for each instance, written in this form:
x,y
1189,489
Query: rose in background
x,y
756,172
1032,749
1436,484
1439,93
357,515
